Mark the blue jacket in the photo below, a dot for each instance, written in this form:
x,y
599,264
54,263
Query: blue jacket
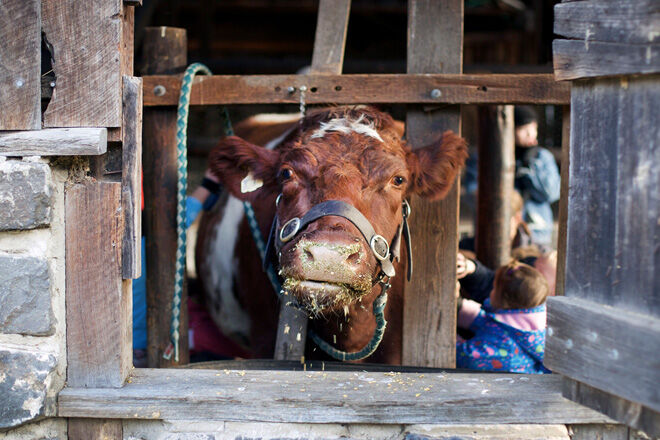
x,y
538,181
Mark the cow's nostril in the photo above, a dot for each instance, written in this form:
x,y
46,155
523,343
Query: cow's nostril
x,y
355,258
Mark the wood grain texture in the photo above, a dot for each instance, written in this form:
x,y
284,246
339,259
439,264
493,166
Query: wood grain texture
x,y
330,37
574,59
94,429
164,46
335,397
363,88
86,40
614,21
54,142
98,303
606,348
131,184
496,174
624,411
613,233
600,432
435,44
20,61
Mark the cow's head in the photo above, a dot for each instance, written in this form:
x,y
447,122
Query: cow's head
x,y
350,154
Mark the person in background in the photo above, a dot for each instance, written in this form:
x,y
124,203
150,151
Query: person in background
x,y
509,328
537,177
203,197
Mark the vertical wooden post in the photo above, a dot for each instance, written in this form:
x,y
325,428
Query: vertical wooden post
x,y
496,173
164,53
562,219
435,45
328,57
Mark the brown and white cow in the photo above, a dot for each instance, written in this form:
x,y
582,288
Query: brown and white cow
x,y
353,155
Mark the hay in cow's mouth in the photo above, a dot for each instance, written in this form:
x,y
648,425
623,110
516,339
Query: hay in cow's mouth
x,y
321,297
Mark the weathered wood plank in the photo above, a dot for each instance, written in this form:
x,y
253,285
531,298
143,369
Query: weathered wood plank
x,y
86,39
20,61
574,59
98,303
624,411
330,38
614,195
606,348
496,173
600,432
131,184
435,44
336,397
614,21
95,429
165,51
360,89
54,142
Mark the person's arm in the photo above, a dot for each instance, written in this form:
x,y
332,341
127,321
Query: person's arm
x,y
540,179
479,282
201,196
467,314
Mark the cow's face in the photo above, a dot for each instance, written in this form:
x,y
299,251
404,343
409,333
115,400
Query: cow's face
x,y
352,155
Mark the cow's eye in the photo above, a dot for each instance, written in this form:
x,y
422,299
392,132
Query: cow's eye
x,y
398,180
286,174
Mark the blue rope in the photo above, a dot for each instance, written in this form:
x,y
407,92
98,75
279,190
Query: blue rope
x,y
182,183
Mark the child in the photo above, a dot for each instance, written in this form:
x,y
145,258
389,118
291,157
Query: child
x,y
509,329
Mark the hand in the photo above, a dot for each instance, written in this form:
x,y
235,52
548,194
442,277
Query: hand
x,y
464,266
209,175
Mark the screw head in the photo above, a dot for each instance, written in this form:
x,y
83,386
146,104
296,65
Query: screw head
x,y
290,89
436,93
160,90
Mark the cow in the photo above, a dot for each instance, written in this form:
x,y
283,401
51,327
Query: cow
x,y
330,194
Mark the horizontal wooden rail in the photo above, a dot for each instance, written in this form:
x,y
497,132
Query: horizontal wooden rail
x,y
361,89
330,397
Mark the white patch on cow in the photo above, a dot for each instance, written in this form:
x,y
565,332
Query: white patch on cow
x,y
343,125
222,267
250,183
275,118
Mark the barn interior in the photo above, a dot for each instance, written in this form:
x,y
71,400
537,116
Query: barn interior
x,y
251,37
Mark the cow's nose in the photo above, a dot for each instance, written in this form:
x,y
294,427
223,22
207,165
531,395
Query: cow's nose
x,y
329,255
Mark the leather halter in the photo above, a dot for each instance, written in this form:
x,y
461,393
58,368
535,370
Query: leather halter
x,y
377,243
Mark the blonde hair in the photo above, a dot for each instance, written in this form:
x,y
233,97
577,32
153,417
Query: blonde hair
x,y
519,286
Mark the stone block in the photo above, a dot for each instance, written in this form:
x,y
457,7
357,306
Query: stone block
x,y
25,195
25,295
25,376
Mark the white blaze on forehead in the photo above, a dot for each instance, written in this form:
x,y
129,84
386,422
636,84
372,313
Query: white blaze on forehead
x,y
343,125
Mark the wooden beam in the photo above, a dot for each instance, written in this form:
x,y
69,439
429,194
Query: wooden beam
x,y
335,397
54,142
131,184
95,429
435,44
606,348
20,61
614,21
562,215
98,303
360,89
86,40
496,174
574,59
165,51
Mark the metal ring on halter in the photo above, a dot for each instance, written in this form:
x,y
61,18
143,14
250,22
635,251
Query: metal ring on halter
x,y
380,247
277,200
289,230
406,208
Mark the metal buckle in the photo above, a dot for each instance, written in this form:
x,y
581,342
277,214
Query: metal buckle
x,y
289,230
406,209
380,247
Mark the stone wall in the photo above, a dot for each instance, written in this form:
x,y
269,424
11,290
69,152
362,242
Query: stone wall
x,y
32,286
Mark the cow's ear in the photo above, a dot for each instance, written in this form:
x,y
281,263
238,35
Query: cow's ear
x,y
434,168
243,168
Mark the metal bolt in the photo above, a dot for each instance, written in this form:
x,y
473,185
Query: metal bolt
x,y
52,84
303,88
160,90
436,93
290,89
19,83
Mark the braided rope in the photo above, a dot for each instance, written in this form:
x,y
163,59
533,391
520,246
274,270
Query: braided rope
x,y
182,183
